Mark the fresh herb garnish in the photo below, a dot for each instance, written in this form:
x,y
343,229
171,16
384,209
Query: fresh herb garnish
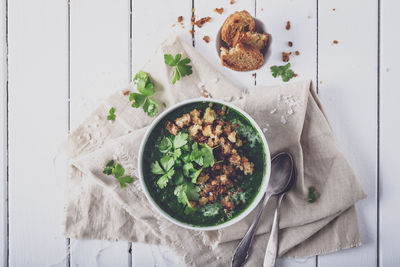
x,y
181,67
111,114
145,87
284,71
211,210
312,194
182,162
118,171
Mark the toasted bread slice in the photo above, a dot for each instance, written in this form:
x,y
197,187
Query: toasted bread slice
x,y
242,57
255,39
238,21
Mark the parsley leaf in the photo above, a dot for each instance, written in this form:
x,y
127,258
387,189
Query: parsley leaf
x,y
145,87
208,156
156,168
150,107
211,210
180,139
111,114
284,71
312,194
125,180
137,99
118,171
165,145
181,67
167,162
163,180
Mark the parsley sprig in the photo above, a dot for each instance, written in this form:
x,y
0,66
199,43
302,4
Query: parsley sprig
x,y
145,87
111,114
182,163
312,194
118,172
284,71
181,67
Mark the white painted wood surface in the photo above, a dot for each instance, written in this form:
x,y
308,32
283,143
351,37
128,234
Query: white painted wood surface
x,y
389,219
89,49
3,136
99,65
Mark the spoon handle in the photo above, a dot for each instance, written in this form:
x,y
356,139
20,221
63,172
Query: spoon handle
x,y
272,247
242,251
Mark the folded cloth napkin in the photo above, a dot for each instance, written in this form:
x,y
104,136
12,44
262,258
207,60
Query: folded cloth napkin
x,y
292,120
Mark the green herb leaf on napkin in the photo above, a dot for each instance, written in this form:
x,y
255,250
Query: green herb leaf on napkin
x,y
118,171
181,67
145,87
111,114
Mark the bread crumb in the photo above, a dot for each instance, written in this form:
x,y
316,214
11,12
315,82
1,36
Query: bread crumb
x,y
320,81
191,32
297,53
219,10
286,56
173,25
206,39
262,9
126,92
295,75
232,2
335,41
180,18
202,21
290,44
254,74
288,25
334,9
193,9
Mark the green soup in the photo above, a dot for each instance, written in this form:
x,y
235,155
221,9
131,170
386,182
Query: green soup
x,y
249,185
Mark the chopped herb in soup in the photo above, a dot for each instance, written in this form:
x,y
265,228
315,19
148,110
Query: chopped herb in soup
x,y
204,163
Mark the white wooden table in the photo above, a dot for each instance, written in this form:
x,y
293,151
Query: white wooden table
x,y
59,59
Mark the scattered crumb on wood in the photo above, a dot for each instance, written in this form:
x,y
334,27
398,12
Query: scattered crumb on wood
x,y
297,53
335,41
290,44
320,81
309,17
288,25
295,75
286,56
199,23
173,25
219,10
193,9
334,9
180,18
126,92
232,2
254,74
191,32
262,9
206,39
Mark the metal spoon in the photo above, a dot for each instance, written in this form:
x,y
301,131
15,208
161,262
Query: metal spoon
x,y
281,170
273,242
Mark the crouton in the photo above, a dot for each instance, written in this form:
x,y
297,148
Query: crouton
x,y
207,130
203,201
235,159
246,166
227,203
195,116
194,129
218,130
203,178
226,148
238,21
183,121
209,115
172,128
242,57
232,137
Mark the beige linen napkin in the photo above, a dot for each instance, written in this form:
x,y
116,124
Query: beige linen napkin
x,y
292,120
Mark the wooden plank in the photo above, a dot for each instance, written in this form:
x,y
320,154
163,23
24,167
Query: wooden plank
x,y
347,73
146,37
303,26
99,65
204,8
3,136
302,16
37,39
389,136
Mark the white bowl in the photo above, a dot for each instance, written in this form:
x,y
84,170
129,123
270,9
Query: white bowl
x,y
256,200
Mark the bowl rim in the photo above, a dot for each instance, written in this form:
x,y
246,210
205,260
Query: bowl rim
x,y
244,213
